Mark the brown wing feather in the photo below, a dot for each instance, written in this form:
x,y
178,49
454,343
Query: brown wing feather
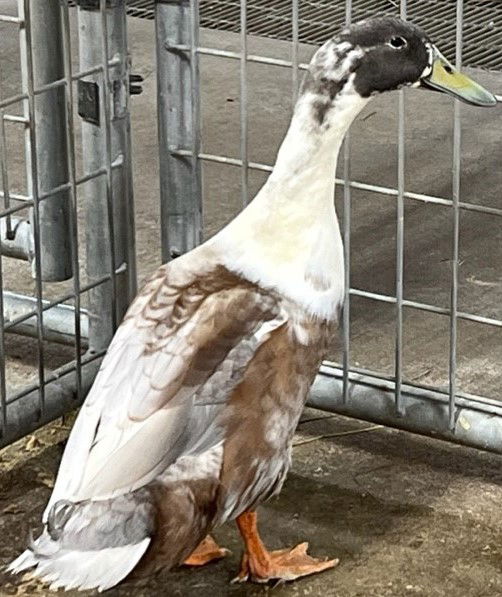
x,y
141,410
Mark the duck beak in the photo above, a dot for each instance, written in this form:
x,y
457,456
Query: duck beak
x,y
446,78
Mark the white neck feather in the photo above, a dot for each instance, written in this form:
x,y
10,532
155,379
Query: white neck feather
x,y
288,237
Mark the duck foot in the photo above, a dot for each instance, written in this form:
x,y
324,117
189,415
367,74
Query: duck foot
x,y
260,565
282,565
207,551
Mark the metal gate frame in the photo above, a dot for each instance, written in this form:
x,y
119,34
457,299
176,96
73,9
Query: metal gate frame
x,y
49,241
341,388
51,244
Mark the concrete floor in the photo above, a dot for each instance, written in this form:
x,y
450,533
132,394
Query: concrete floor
x,y
406,515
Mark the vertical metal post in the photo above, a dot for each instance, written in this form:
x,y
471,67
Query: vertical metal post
x,y
346,245
74,196
244,104
28,76
398,363
295,17
106,142
178,94
6,227
51,148
457,138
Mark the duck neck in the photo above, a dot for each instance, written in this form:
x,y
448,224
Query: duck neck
x,y
301,186
288,237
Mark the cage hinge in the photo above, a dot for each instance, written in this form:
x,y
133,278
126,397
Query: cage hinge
x,y
88,101
94,4
135,87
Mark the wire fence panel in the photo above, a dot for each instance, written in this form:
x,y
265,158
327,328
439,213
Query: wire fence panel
x,y
67,252
70,213
347,387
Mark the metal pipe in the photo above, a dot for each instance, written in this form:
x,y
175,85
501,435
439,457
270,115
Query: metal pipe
x,y
427,411
347,213
28,78
65,20
243,107
21,246
180,188
23,414
455,258
398,340
59,320
210,157
51,148
109,216
295,33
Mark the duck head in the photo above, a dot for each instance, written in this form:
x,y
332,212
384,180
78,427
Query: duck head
x,y
383,54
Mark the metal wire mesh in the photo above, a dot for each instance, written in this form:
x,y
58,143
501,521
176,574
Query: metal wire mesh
x,y
413,405
41,216
317,19
88,305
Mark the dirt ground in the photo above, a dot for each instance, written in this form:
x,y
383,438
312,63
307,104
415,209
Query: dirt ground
x,y
406,515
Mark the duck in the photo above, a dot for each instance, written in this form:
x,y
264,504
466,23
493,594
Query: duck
x,y
190,420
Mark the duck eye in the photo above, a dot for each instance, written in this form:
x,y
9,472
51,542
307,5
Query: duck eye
x,y
397,43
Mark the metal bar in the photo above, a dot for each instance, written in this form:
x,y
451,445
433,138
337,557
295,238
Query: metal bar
x,y
11,19
14,118
51,148
24,415
295,16
5,232
5,178
180,192
184,47
108,198
59,320
195,121
106,111
118,163
33,181
347,210
16,208
398,357
425,307
14,99
373,399
19,243
118,144
16,196
70,142
176,151
452,374
3,385
59,301
243,107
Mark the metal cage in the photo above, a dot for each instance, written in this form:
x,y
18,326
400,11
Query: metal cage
x,y
343,387
50,239
40,222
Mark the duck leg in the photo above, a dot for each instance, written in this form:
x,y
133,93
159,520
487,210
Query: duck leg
x,y
207,551
260,565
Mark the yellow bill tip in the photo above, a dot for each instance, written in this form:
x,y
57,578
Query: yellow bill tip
x,y
444,77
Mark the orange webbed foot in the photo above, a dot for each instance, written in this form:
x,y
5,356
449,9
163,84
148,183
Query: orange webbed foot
x,y
282,565
207,551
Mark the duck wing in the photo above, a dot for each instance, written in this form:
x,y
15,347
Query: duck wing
x,y
182,346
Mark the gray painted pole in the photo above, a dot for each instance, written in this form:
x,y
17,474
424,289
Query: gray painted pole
x,y
21,246
478,422
51,147
60,398
59,320
109,207
177,90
